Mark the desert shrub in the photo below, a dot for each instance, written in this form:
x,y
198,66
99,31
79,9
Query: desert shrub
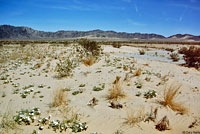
x,y
141,51
174,57
66,43
170,94
64,68
91,47
116,45
182,50
191,56
169,49
59,98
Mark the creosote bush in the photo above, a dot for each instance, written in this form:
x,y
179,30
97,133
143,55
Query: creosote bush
x,y
91,47
64,68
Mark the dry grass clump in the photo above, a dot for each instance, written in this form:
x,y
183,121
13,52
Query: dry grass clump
x,y
116,91
138,72
170,94
89,62
7,123
134,117
59,98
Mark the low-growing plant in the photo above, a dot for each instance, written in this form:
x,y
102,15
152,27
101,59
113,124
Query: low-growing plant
x,y
75,92
141,51
138,84
99,88
175,57
27,116
82,85
150,94
138,94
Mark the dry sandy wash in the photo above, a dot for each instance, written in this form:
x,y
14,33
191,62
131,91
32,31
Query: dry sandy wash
x,y
112,93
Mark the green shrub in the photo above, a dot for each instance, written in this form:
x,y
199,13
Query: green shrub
x,y
141,51
116,45
90,47
64,68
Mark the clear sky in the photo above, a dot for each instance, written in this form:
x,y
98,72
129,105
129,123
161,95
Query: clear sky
x,y
166,17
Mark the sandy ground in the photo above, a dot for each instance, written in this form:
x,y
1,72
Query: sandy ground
x,y
101,118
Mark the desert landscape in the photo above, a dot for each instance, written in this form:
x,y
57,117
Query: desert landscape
x,y
99,87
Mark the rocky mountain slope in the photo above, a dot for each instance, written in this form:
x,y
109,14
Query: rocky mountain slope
x,y
12,32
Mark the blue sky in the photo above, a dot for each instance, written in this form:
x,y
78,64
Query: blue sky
x,y
166,17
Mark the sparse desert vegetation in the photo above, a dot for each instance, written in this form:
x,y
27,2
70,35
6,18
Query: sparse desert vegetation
x,y
116,92
191,56
73,86
170,94
59,98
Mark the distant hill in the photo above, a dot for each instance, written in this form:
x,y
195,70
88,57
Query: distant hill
x,y
185,37
12,32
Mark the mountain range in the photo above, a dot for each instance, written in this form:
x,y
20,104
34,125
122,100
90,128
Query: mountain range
x,y
13,32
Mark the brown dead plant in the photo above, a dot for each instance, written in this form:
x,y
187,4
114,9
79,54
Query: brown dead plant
x,y
138,72
163,124
59,98
170,94
133,118
116,91
89,62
